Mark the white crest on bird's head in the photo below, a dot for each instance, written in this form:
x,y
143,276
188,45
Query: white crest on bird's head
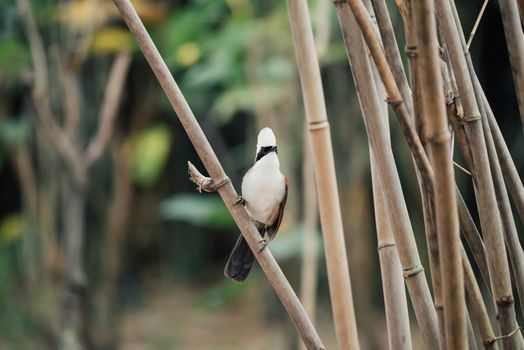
x,y
266,137
266,143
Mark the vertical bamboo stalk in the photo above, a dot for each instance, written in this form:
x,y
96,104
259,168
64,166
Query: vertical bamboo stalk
x,y
484,188
515,43
309,273
329,203
266,260
428,198
390,184
395,303
438,137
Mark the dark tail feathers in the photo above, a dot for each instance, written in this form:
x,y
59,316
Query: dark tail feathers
x,y
240,261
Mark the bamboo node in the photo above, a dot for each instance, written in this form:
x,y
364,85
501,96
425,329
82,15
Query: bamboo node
x,y
221,183
339,1
394,103
411,51
385,245
412,271
442,54
439,307
318,125
471,118
505,300
441,136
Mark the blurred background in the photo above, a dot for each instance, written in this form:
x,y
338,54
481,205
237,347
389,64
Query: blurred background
x,y
99,224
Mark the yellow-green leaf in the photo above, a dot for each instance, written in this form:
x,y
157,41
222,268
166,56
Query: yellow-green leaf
x,y
11,227
188,54
111,40
150,152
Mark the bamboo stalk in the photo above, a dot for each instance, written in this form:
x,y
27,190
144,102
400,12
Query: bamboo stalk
x,y
515,43
473,238
514,248
428,198
395,303
385,165
309,272
509,170
218,176
392,91
391,51
476,305
329,203
438,137
397,318
484,189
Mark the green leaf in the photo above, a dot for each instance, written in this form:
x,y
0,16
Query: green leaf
x,y
150,152
14,57
12,131
11,228
198,210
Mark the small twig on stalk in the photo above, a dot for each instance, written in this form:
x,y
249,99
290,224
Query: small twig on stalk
x,y
215,170
477,22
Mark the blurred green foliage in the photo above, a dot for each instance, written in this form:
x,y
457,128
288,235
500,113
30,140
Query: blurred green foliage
x,y
151,149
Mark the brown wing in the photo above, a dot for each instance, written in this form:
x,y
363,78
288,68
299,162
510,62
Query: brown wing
x,y
273,229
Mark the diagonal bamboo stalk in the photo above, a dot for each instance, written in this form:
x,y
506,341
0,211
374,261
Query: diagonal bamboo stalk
x,y
472,235
515,42
516,254
513,245
329,203
218,176
392,91
438,136
476,305
385,165
509,170
397,318
484,189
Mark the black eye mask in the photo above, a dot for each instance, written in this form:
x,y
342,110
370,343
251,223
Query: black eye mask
x,y
264,151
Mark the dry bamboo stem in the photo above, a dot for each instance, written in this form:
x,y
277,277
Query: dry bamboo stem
x,y
473,238
397,318
516,254
509,170
484,188
385,165
438,137
476,305
218,176
510,233
428,198
392,90
391,51
309,272
515,43
329,203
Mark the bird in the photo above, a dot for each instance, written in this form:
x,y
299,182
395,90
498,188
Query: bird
x,y
264,196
